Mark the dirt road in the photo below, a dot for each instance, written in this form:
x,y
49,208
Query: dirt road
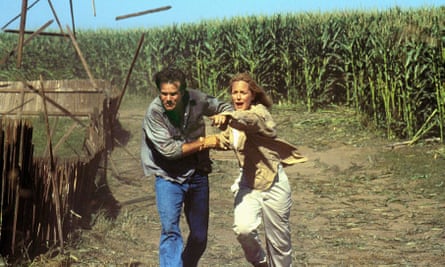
x,y
352,205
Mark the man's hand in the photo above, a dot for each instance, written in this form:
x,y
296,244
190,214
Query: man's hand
x,y
212,141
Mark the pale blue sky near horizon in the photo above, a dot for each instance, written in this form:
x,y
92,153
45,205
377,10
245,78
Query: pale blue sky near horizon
x,y
181,11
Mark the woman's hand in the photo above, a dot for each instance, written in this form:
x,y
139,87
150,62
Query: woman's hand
x,y
220,121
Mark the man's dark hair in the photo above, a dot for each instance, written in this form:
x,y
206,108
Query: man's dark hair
x,y
170,75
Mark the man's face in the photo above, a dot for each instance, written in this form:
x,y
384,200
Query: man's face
x,y
170,95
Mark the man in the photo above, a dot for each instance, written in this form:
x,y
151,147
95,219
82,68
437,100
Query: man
x,y
175,150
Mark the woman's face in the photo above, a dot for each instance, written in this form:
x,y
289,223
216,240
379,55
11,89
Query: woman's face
x,y
242,97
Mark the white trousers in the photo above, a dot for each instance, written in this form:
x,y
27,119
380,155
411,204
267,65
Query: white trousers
x,y
273,208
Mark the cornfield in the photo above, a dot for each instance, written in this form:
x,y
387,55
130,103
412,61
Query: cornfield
x,y
388,65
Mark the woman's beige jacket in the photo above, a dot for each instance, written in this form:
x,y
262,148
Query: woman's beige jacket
x,y
252,135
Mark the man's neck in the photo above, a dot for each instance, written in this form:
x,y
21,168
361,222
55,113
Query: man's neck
x,y
176,116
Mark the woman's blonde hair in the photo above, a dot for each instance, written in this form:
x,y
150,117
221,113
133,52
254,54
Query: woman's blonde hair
x,y
261,96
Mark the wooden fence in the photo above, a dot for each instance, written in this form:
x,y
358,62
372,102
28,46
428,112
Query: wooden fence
x,y
43,199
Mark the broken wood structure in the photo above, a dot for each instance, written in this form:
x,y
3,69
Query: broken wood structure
x,y
43,199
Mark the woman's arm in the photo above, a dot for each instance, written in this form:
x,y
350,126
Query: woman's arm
x,y
255,120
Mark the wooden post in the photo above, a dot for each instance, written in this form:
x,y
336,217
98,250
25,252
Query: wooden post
x,y
52,172
82,59
129,72
55,16
22,33
72,18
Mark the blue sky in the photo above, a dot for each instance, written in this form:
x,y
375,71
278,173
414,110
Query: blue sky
x,y
182,11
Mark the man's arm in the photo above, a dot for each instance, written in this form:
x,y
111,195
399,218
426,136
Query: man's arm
x,y
211,141
156,131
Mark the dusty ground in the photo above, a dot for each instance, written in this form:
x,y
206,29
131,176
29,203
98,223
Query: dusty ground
x,y
357,202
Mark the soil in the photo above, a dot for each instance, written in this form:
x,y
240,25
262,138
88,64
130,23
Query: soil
x,y
358,201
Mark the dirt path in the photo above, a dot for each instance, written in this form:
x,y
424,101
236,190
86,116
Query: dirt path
x,y
350,209
357,214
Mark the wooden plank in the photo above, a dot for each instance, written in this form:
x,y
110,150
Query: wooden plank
x,y
20,46
53,34
75,96
143,12
18,16
82,59
65,136
57,18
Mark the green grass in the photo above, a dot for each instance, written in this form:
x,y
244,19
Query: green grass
x,y
70,146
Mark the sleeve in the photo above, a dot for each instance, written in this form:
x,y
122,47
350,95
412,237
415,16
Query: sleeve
x,y
156,131
255,120
215,106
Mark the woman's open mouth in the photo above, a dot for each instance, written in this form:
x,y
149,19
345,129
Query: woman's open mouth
x,y
239,105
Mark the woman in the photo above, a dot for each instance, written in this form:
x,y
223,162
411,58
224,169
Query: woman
x,y
262,191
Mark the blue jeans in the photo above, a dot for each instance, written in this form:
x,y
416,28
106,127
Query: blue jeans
x,y
193,195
